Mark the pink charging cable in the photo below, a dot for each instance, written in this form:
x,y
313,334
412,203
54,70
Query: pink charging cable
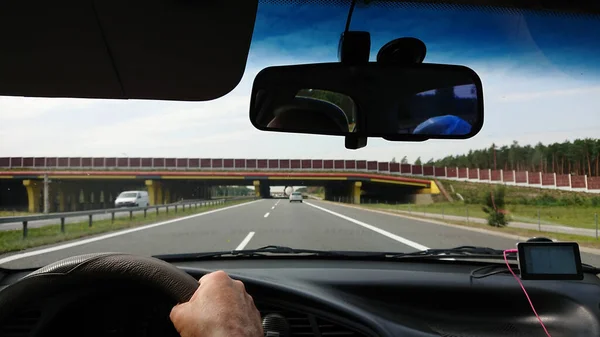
x,y
524,291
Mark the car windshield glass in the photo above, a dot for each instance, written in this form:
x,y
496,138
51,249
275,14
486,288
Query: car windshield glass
x,y
128,195
533,170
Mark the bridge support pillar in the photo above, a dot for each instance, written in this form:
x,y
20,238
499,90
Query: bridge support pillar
x,y
81,200
88,198
355,192
155,192
73,199
166,197
34,188
163,195
102,198
433,189
62,198
85,199
265,190
327,193
262,188
256,184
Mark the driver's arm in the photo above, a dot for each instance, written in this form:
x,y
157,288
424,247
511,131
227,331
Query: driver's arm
x,y
220,307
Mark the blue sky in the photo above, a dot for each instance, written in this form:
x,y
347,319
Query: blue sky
x,y
540,77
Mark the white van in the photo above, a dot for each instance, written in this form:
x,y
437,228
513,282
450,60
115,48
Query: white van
x,y
132,198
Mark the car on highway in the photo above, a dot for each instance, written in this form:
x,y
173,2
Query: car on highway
x,y
132,199
416,226
296,196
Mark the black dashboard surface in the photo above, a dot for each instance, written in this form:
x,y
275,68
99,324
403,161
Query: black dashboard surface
x,y
337,298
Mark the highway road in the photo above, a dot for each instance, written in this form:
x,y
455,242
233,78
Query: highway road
x,y
312,224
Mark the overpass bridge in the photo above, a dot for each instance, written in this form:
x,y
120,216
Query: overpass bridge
x,y
98,180
87,183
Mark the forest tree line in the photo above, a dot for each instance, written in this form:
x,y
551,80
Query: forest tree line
x,y
578,157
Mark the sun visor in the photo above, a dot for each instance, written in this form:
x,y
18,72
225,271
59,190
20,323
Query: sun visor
x,y
124,49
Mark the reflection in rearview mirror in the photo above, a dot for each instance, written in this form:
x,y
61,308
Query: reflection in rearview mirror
x,y
442,111
395,102
317,110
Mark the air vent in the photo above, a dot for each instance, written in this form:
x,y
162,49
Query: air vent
x,y
307,325
20,325
300,325
328,329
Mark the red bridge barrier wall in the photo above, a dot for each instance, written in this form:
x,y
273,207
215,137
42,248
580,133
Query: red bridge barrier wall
x,y
545,180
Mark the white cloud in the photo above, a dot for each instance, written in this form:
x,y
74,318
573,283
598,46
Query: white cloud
x,y
527,96
518,107
27,108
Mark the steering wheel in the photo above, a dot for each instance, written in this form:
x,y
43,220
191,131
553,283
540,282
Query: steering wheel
x,y
91,269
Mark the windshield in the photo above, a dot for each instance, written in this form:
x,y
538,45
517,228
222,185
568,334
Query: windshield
x,y
533,170
128,195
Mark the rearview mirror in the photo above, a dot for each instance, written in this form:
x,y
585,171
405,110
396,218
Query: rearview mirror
x,y
406,102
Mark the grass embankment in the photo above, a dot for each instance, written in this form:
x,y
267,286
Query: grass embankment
x,y
575,209
12,240
586,241
417,212
573,216
475,192
13,213
555,207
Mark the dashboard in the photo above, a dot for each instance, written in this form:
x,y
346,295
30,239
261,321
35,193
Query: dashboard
x,y
325,298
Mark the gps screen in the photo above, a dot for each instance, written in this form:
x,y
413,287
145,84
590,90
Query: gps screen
x,y
556,260
550,260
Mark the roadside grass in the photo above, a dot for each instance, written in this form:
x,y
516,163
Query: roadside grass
x,y
516,194
14,213
572,216
12,240
586,241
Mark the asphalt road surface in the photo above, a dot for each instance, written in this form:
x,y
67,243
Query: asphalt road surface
x,y
312,224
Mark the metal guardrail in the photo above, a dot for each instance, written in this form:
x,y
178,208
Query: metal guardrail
x,y
25,220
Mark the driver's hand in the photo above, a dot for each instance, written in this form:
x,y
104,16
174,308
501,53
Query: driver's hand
x,y
220,307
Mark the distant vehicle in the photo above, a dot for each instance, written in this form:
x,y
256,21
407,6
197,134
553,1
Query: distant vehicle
x,y
296,196
132,199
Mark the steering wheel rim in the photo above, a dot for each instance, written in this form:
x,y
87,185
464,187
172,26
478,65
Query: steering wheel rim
x,y
80,270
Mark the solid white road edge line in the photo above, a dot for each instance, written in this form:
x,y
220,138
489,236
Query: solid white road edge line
x,y
266,215
112,235
392,236
244,242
